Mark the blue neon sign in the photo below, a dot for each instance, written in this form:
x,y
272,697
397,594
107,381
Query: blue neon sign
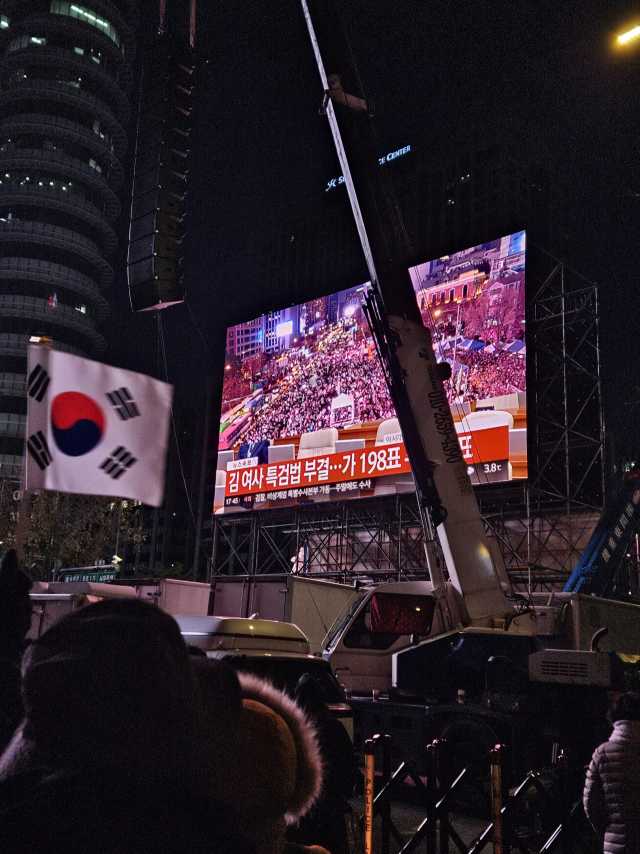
x,y
335,182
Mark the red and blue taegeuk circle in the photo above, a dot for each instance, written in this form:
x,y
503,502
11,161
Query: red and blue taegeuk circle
x,y
78,423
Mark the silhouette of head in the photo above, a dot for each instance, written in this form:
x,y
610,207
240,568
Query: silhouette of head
x,y
110,685
626,707
15,606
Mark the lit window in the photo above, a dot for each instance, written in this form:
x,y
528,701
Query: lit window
x,y
4,22
81,307
81,13
25,41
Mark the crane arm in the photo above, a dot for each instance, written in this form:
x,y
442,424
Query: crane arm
x,y
443,485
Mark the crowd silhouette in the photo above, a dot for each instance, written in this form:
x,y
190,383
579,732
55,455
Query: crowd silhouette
x,y
126,743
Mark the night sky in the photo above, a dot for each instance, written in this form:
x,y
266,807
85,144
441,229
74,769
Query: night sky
x,y
261,151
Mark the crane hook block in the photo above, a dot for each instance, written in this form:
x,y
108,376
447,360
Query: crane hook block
x,y
443,370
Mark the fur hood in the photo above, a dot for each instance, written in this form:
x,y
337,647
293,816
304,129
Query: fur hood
x,y
308,776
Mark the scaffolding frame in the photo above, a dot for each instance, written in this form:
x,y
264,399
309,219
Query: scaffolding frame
x,y
566,456
341,539
541,525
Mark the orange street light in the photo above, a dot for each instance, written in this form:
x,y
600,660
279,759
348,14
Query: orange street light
x,y
628,36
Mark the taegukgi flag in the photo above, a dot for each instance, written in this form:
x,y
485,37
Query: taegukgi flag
x,y
95,429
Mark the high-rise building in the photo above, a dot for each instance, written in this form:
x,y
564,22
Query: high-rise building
x,y
469,194
65,78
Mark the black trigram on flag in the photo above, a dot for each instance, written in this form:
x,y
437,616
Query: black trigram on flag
x,y
119,461
38,382
123,403
39,450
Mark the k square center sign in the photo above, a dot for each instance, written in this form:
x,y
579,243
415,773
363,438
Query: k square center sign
x,y
335,182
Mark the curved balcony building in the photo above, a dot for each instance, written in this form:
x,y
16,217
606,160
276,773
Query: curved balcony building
x,y
65,79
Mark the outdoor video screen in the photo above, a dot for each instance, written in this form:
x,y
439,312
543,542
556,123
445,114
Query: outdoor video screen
x,y
306,412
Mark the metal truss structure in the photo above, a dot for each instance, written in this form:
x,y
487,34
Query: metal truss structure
x,y
540,545
342,540
541,526
566,448
381,538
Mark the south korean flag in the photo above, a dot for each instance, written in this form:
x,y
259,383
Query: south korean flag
x,y
94,429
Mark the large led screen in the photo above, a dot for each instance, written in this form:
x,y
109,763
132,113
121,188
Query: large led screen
x,y
306,413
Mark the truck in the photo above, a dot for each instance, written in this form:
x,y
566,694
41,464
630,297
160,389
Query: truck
x,y
459,656
313,605
475,687
51,600
274,650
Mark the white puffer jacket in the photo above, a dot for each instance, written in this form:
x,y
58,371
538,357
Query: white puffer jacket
x,y
612,790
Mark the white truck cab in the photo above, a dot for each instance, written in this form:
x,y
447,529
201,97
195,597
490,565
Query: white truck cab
x,y
381,622
278,652
386,620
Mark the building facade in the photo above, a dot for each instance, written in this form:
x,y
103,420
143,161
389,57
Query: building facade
x,y
468,194
65,80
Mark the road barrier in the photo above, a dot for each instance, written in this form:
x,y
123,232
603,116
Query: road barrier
x,y
440,795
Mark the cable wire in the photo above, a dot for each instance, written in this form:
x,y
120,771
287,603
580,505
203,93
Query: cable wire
x,y
161,347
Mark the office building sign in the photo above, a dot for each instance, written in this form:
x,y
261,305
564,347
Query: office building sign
x,y
392,155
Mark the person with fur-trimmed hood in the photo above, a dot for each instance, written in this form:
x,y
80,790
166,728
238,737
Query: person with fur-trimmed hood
x,y
106,758
271,772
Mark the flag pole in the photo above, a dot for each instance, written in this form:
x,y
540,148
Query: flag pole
x,y
23,506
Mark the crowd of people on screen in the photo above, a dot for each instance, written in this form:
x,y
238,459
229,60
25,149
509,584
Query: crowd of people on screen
x,y
300,384
490,375
311,379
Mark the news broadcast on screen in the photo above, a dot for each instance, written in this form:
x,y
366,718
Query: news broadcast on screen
x,y
306,413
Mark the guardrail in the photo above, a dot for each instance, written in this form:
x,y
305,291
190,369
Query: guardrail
x,y
440,796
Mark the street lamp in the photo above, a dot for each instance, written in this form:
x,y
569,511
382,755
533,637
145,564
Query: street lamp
x,y
629,36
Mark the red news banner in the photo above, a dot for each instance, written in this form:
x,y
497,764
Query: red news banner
x,y
354,469
317,471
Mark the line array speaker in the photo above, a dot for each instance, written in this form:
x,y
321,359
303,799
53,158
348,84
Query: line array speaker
x,y
159,180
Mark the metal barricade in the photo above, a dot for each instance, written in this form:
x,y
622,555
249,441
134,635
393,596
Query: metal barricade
x,y
439,795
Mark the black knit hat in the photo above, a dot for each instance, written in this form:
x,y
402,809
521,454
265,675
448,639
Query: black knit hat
x,y
111,683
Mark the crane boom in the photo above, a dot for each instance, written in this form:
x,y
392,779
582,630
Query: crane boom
x,y
443,486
